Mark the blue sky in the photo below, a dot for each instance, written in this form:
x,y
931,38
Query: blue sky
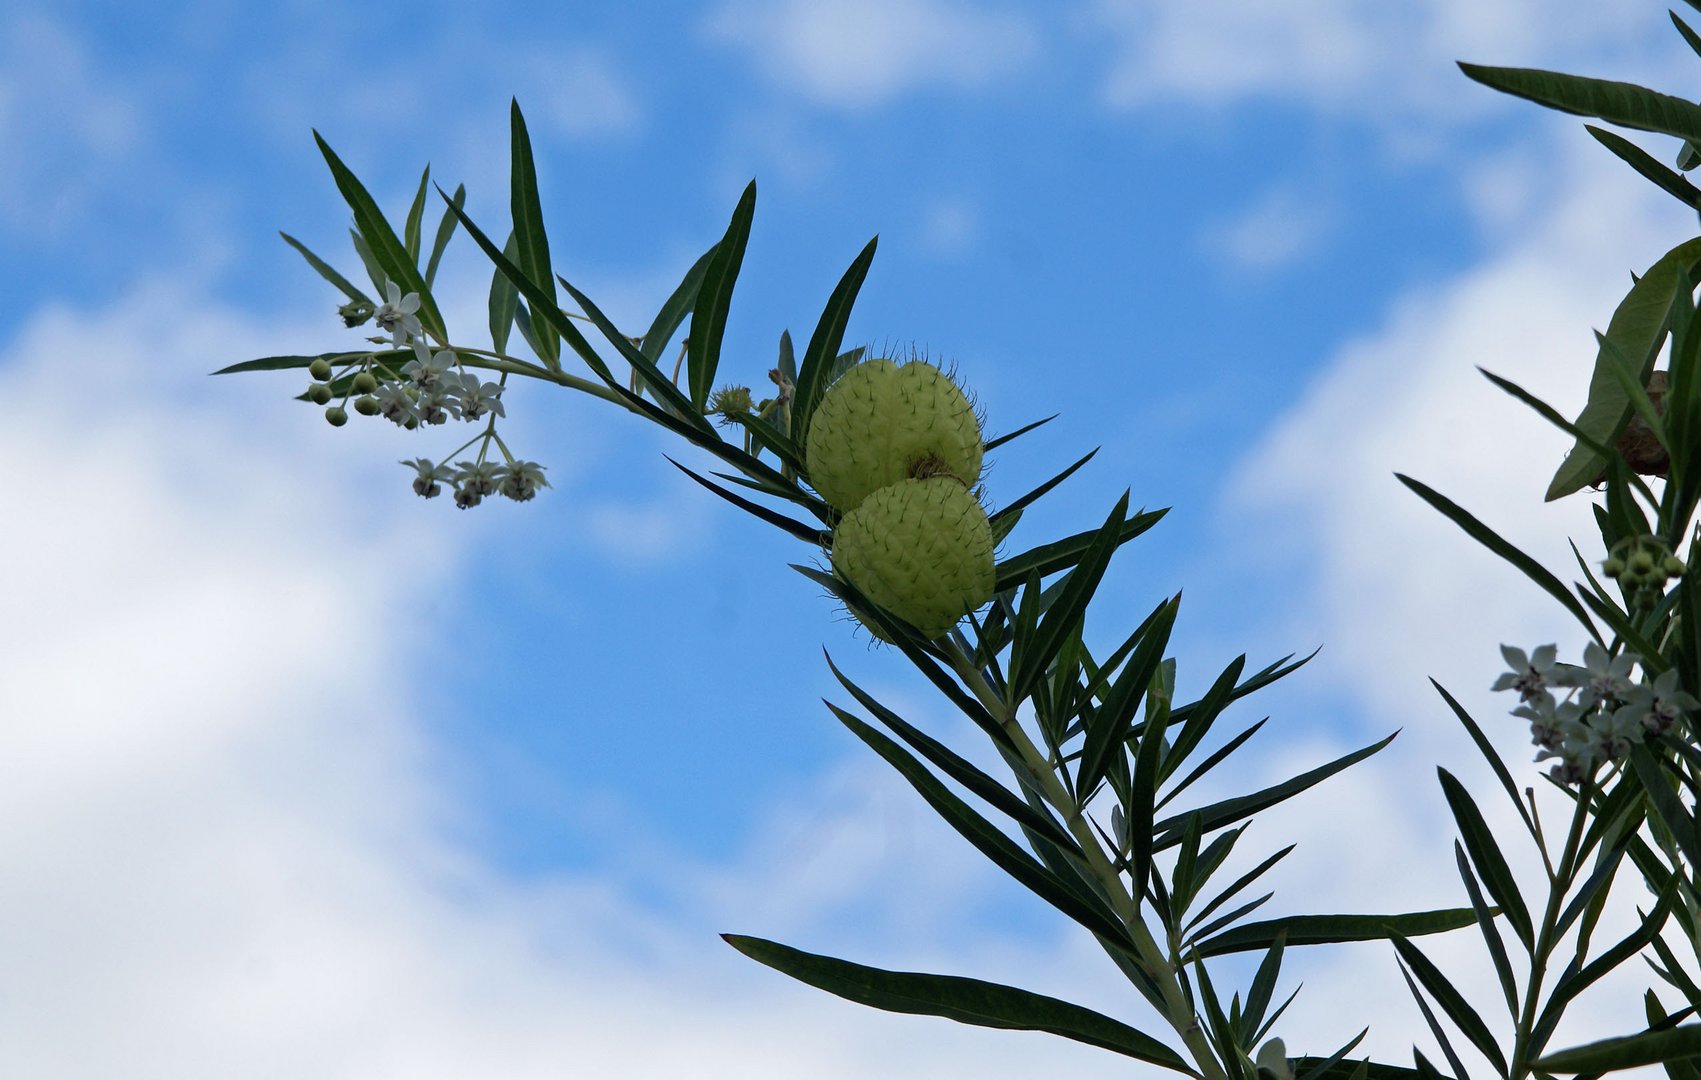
x,y
366,786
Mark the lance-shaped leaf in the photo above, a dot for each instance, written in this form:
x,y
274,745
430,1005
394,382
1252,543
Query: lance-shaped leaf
x,y
807,533
1626,1052
374,272
1216,758
818,359
1201,717
1332,929
1058,891
1263,987
1435,1029
1621,103
1029,662
1492,540
968,1001
1048,559
1028,499
1575,982
288,363
445,229
325,270
1486,857
1667,806
530,241
1636,330
1111,727
660,385
416,217
999,440
1218,814
1489,753
957,768
1234,890
1453,1003
673,312
1669,180
385,250
1490,933
714,300
504,299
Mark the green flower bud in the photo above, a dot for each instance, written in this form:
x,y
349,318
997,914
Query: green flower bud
x,y
365,383
1613,567
320,369
318,393
366,405
1642,563
336,416
1674,566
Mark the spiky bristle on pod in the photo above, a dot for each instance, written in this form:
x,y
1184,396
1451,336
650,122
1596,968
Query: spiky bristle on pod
x,y
882,422
921,549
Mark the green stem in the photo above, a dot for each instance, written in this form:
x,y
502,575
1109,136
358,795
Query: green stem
x,y
1148,953
1546,938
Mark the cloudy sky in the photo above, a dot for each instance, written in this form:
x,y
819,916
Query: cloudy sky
x,y
301,775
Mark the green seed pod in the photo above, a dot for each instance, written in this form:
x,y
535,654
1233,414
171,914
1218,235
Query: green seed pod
x,y
921,549
365,383
336,416
366,405
320,369
883,422
1613,567
318,393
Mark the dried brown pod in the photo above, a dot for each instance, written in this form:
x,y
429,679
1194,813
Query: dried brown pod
x,y
1637,445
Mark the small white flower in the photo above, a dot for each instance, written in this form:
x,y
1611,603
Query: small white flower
x,y
1608,678
479,398
429,370
395,316
1614,732
1530,674
1550,722
426,482
394,404
1659,705
434,407
521,479
480,478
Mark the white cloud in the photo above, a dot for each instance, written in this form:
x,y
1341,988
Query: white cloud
x,y
579,92
861,53
1280,228
949,227
1391,65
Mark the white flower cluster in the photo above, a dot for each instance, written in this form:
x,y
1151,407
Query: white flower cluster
x,y
433,387
1603,710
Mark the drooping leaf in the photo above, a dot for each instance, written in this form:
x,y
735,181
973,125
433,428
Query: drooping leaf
x,y
1624,104
969,1001
802,531
1626,1051
1332,929
1665,178
288,363
714,300
325,270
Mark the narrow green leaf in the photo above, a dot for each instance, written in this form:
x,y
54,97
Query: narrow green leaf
x,y
1489,753
1567,989
1028,499
531,242
1624,104
1236,888
1263,987
416,218
1071,606
1492,540
1689,36
1201,717
1278,670
504,298
1630,385
374,272
1637,329
1667,807
325,271
1332,929
987,838
1487,858
1626,1052
673,312
1453,1003
816,373
660,385
1217,757
802,531
1666,179
968,1001
1228,811
1490,933
288,363
445,229
1111,727
1048,559
957,768
1435,1027
999,440
387,252
714,300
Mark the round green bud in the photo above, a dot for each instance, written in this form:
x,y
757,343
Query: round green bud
x,y
366,405
1642,563
921,549
882,422
1613,567
336,416
365,383
1674,566
318,393
320,369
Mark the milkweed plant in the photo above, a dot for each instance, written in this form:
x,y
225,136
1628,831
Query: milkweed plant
x,y
874,464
